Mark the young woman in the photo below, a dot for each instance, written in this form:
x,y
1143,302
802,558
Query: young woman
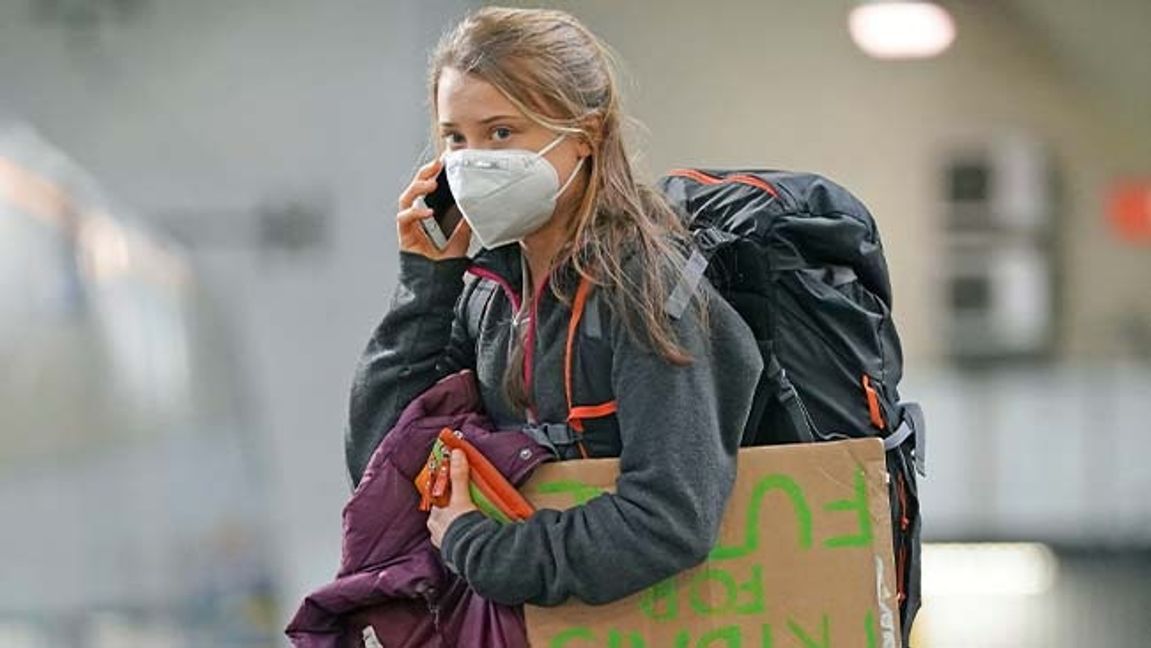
x,y
527,115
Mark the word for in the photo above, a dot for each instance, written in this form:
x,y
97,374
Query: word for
x,y
791,635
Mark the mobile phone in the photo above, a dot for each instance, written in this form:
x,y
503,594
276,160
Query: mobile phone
x,y
445,213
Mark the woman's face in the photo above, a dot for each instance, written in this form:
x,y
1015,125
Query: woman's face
x,y
474,114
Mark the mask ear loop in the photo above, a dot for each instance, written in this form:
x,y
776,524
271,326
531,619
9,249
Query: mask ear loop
x,y
554,143
574,172
571,177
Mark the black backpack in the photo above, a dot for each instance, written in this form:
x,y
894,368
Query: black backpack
x,y
800,258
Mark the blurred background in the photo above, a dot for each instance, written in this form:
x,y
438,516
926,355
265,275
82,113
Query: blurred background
x,y
196,239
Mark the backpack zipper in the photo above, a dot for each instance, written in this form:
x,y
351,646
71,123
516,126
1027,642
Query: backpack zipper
x,y
739,178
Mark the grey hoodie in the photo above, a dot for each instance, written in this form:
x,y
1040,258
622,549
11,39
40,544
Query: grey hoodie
x,y
676,430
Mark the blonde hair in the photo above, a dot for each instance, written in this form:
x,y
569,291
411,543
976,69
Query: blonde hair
x,y
562,77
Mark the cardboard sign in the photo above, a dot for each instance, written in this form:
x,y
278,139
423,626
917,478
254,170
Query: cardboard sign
x,y
804,559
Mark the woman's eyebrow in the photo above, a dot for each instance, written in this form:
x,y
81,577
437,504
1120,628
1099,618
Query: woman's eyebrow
x,y
487,120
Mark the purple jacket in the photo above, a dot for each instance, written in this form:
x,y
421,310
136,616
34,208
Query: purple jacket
x,y
391,578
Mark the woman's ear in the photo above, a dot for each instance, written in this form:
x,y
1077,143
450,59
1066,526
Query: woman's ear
x,y
587,144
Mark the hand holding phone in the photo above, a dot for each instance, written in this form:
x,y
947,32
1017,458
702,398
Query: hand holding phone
x,y
429,222
445,214
431,226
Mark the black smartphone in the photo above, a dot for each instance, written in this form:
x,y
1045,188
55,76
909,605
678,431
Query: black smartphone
x,y
445,214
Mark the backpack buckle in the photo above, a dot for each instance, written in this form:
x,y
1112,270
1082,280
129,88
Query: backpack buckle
x,y
553,436
911,427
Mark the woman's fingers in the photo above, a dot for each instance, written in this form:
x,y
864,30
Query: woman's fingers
x,y
412,236
439,519
423,183
412,214
417,188
461,495
429,170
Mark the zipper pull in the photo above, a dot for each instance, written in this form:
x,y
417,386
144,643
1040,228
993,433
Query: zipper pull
x,y
441,485
430,475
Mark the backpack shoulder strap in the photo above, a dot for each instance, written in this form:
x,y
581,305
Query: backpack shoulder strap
x,y
576,412
477,296
586,322
690,274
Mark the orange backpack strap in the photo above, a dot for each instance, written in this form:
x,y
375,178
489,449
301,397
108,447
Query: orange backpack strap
x,y
576,413
873,410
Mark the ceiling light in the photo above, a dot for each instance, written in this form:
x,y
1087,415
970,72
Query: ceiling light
x,y
901,29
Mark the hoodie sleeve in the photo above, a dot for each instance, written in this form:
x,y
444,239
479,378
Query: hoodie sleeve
x,y
422,338
680,432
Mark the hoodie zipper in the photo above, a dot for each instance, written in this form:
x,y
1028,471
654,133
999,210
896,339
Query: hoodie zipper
x,y
517,303
530,345
503,283
431,597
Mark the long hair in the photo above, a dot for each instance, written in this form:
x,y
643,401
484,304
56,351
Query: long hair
x,y
562,76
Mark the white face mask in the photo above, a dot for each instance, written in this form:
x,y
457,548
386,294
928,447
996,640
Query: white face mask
x,y
505,194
